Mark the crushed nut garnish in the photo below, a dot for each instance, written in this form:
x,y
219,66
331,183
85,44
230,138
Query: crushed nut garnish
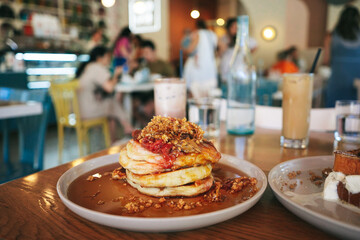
x,y
118,199
93,177
237,184
318,182
313,177
292,186
325,172
293,174
118,174
181,134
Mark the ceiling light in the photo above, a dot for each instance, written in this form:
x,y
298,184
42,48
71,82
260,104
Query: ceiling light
x,y
195,14
140,7
268,33
108,3
220,22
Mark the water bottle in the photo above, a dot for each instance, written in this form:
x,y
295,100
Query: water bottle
x,y
241,84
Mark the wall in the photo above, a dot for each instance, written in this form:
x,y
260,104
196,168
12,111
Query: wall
x,y
297,24
263,13
226,8
317,22
180,19
119,19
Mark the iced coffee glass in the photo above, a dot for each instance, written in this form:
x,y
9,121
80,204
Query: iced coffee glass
x,y
296,106
170,97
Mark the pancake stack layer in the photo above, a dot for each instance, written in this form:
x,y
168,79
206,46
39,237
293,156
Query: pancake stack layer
x,y
169,157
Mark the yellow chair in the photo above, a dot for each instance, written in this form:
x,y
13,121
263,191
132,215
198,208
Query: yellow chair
x,y
65,100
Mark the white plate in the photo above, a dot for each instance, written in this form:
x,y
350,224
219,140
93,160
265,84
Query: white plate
x,y
306,199
159,224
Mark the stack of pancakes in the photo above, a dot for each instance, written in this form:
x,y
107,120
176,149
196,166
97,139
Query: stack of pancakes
x,y
169,157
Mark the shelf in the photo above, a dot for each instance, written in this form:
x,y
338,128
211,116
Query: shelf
x,y
57,8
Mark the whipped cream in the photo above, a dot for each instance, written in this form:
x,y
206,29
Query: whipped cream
x,y
351,182
330,186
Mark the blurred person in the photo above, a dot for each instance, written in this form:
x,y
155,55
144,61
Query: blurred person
x,y
293,54
200,70
136,41
227,41
342,52
96,39
96,94
156,65
186,40
284,64
122,47
144,102
226,48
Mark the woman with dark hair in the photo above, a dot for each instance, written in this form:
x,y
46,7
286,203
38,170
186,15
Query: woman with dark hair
x,y
343,47
122,46
200,70
226,49
228,40
96,94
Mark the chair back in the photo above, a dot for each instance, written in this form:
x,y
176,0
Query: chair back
x,y
64,96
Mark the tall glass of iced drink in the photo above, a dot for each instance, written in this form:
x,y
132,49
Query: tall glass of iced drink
x,y
296,106
170,97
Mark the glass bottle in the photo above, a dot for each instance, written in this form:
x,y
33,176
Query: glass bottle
x,y
241,93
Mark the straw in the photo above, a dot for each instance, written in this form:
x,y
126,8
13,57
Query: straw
x,y
181,63
315,60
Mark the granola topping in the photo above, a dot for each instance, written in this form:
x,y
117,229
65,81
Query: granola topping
x,y
172,133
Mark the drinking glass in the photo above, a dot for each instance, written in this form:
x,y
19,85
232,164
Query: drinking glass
x,y
170,97
296,106
205,112
347,121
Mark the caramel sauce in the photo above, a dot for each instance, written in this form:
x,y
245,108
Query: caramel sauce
x,y
110,196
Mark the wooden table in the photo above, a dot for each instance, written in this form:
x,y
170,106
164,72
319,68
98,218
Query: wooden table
x,y
31,209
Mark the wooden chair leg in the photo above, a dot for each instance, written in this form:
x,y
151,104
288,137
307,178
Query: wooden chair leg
x,y
87,139
60,141
106,133
79,134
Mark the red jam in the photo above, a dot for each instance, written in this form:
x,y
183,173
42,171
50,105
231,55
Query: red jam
x,y
160,147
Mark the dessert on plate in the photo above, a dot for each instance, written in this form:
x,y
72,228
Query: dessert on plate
x,y
343,183
166,170
169,157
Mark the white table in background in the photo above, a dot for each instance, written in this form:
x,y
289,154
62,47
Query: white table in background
x,y
127,89
10,109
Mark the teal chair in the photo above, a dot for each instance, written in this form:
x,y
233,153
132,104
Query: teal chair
x,y
31,130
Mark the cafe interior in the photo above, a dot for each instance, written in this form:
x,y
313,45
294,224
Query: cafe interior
x,y
161,119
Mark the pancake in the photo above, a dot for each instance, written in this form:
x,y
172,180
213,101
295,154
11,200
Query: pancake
x,y
189,190
169,157
136,152
208,154
171,179
138,167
